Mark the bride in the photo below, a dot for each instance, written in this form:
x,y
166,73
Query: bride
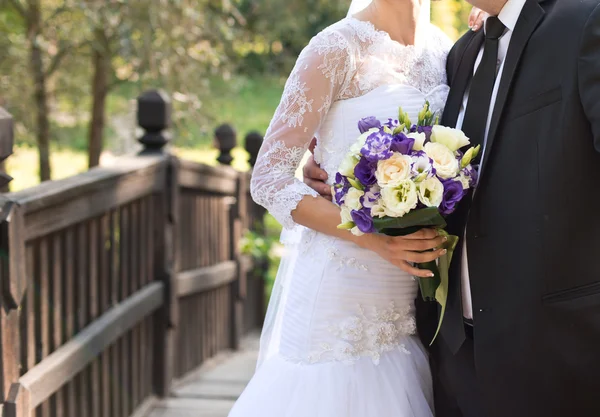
x,y
340,337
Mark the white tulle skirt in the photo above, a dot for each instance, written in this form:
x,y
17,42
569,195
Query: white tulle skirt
x,y
399,386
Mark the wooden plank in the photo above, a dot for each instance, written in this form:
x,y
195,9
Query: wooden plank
x,y
204,279
45,310
58,368
115,380
125,272
70,391
58,204
212,184
82,277
52,192
186,407
31,343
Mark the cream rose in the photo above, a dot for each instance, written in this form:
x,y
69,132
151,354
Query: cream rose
x,y
444,161
401,199
431,192
352,200
419,140
391,172
453,139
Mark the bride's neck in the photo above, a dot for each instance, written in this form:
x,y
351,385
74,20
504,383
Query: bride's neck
x,y
399,18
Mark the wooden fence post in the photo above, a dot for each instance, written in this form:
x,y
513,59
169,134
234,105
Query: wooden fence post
x,y
13,281
252,143
255,221
154,116
225,141
6,146
256,213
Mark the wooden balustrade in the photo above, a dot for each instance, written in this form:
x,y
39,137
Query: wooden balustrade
x,y
120,280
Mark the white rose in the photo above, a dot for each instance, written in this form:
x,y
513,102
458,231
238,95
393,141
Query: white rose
x,y
401,199
391,172
352,200
431,192
362,139
444,161
453,139
356,231
419,140
378,210
346,216
347,166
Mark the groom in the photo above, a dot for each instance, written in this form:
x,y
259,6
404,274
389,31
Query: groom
x,y
521,336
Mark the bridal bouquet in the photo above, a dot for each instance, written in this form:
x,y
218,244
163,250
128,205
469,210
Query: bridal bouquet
x,y
398,178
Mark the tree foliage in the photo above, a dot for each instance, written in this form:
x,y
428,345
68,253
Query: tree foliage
x,y
61,61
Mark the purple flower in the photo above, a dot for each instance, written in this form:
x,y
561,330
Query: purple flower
x,y
471,173
368,123
422,129
377,146
363,220
392,123
453,193
422,165
402,144
371,196
365,171
340,187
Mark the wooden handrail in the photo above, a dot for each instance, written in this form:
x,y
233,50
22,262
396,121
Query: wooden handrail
x,y
118,281
61,366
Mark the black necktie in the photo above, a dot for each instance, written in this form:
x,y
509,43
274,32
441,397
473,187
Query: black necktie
x,y
474,124
482,86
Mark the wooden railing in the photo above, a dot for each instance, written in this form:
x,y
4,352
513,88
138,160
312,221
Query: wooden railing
x,y
118,281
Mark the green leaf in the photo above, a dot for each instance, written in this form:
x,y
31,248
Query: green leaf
x,y
355,184
441,293
427,217
346,226
429,286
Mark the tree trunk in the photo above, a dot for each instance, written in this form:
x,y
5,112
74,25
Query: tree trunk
x,y
100,63
34,23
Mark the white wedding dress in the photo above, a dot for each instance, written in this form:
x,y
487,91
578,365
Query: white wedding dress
x,y
343,342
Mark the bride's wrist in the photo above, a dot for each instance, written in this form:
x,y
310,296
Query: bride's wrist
x,y
366,241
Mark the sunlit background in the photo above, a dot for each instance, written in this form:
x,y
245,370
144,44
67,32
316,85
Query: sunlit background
x,y
77,66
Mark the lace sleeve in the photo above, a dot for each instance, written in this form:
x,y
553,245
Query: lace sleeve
x,y
321,72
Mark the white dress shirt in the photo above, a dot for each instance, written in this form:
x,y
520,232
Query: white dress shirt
x,y
508,16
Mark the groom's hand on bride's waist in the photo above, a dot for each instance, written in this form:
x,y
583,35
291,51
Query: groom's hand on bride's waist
x,y
314,176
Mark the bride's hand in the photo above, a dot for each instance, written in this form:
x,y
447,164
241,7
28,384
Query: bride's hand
x,y
403,250
476,19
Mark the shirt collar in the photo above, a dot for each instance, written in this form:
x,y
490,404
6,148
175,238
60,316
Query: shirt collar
x,y
509,15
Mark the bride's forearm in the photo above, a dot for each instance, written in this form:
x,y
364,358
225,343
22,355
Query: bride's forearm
x,y
322,215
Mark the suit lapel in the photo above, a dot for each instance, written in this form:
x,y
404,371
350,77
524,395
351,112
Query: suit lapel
x,y
528,21
462,77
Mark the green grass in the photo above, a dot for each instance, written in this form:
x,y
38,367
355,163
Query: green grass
x,y
247,104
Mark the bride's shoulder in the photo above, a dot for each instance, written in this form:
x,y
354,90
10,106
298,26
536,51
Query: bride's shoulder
x,y
336,37
439,40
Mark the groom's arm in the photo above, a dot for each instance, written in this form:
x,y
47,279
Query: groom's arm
x,y
589,73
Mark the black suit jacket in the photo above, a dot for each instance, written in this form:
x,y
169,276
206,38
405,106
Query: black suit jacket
x,y
533,232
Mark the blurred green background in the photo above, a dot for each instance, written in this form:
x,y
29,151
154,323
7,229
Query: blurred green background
x,y
71,69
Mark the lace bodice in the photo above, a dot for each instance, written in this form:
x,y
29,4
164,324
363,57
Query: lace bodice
x,y
344,62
